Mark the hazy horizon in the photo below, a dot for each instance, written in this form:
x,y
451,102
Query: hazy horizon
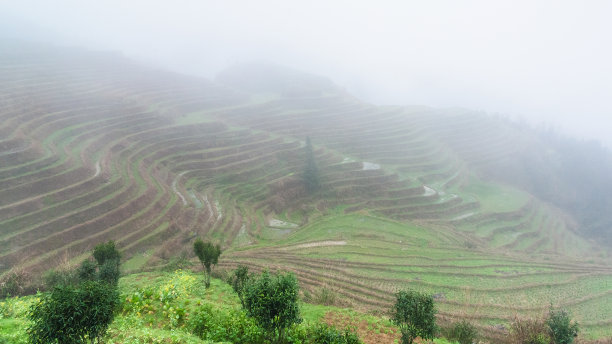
x,y
543,61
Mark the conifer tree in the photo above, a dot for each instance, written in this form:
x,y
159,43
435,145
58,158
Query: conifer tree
x,y
311,172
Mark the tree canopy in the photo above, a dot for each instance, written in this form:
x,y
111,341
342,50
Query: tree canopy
x,y
273,301
415,314
208,254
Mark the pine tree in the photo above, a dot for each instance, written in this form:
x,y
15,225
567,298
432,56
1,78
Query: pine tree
x,y
311,172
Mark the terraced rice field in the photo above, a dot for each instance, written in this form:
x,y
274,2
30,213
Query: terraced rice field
x,y
366,259
94,147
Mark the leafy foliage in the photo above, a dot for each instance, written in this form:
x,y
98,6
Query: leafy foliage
x,y
106,252
239,280
272,300
60,277
167,303
109,272
463,332
73,314
87,271
529,331
562,330
324,334
208,254
218,326
108,258
415,314
82,303
14,283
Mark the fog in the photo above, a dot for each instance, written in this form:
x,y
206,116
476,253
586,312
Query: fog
x,y
541,61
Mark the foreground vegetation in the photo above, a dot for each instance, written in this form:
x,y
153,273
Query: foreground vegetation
x,y
176,307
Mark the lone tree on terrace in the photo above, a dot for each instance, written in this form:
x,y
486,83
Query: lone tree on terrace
x,y
272,300
415,314
208,254
108,258
311,172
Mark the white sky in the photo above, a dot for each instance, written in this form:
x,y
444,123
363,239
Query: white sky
x,y
544,60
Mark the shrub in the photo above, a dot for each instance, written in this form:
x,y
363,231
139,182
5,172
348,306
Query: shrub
x,y
73,314
14,283
561,329
218,326
322,296
105,252
324,334
415,315
529,331
179,262
109,272
273,302
463,332
238,280
87,270
60,277
106,268
108,259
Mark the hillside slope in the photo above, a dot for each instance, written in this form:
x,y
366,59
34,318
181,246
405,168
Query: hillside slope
x,y
95,147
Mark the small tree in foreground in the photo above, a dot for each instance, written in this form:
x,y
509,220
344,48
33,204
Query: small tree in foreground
x,y
239,280
415,315
272,300
71,314
208,254
561,329
82,303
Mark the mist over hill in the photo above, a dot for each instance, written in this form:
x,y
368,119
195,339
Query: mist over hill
x,y
574,175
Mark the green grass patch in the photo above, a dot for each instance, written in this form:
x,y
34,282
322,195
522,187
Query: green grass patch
x,y
496,197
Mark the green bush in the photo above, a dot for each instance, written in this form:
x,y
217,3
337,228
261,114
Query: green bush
x,y
73,314
14,283
239,280
324,334
106,268
109,272
323,296
105,252
529,331
463,332
216,325
60,277
180,262
273,302
415,315
87,271
108,258
561,329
